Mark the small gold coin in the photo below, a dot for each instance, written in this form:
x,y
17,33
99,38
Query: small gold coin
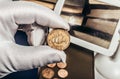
x,y
48,73
58,39
51,65
62,73
61,65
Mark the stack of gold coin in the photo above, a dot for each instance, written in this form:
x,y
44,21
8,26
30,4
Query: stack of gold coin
x,y
48,72
58,39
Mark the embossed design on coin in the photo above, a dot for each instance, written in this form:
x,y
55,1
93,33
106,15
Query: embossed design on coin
x,y
58,39
62,73
48,73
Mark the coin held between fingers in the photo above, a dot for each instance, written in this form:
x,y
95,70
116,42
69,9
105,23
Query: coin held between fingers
x,y
58,39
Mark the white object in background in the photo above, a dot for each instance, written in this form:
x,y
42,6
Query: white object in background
x,y
112,2
105,51
108,67
58,8
98,75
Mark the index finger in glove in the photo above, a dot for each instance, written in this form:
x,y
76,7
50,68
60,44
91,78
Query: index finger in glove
x,y
29,12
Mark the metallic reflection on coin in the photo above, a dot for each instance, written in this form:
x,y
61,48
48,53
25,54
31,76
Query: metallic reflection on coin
x,y
58,39
61,65
62,73
48,73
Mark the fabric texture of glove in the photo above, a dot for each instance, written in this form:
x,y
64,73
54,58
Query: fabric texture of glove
x,y
14,57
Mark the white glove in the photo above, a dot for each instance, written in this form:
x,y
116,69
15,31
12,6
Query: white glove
x,y
15,57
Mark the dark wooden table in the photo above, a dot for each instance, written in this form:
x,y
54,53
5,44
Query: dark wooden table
x,y
80,63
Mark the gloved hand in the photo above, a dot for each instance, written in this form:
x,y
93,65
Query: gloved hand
x,y
14,57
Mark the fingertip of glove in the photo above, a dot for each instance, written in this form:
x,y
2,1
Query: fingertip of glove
x,y
62,56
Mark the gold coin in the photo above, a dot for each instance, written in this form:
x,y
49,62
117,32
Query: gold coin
x,y
62,73
48,73
61,65
58,39
51,65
